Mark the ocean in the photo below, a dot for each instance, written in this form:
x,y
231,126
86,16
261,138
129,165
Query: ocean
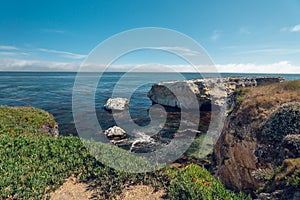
x,y
52,91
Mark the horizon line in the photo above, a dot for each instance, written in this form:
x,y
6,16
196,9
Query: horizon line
x,y
24,71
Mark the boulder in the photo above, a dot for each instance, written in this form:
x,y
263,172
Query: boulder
x,y
117,104
115,133
211,91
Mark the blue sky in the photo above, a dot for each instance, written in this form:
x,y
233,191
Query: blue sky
x,y
239,36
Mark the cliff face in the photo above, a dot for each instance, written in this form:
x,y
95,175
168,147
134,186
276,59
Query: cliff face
x,y
258,136
212,91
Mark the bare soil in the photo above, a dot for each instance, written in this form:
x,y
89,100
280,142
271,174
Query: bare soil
x,y
141,192
72,190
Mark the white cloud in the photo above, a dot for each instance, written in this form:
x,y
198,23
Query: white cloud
x,y
35,65
272,51
3,47
9,53
215,35
296,28
292,29
283,67
63,53
181,50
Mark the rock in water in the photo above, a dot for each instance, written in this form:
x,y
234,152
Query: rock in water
x,y
143,143
115,133
117,104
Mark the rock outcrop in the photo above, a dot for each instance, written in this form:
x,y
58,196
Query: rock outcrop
x,y
51,130
258,137
117,104
211,91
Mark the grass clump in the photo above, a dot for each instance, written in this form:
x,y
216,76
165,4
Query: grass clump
x,y
194,182
285,176
289,173
239,97
291,85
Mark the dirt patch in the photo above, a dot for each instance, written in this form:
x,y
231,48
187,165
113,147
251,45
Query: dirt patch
x,y
72,190
141,192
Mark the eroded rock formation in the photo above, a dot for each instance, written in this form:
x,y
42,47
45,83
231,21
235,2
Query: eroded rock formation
x,y
211,91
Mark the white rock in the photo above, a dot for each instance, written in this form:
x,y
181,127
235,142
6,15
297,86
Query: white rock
x,y
117,104
115,133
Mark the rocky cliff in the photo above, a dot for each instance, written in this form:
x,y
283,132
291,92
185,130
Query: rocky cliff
x,y
209,92
260,140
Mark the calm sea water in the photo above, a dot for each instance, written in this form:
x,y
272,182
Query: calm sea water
x,y
52,91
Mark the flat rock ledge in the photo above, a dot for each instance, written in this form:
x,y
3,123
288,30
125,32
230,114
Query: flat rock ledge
x,y
208,92
117,104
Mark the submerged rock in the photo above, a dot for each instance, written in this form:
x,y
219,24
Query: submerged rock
x,y
115,133
208,92
117,104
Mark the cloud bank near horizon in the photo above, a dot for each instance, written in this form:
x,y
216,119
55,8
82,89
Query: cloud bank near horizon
x,y
283,67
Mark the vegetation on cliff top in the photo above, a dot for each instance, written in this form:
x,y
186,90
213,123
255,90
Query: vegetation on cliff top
x,y
25,121
33,164
257,103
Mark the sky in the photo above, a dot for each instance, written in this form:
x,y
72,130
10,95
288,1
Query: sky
x,y
250,36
